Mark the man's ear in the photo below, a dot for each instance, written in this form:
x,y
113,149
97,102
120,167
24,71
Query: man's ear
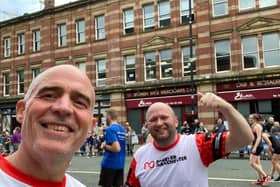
x,y
20,108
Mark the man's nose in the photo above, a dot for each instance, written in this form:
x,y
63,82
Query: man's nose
x,y
63,105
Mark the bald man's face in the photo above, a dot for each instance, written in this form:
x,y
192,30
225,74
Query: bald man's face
x,y
56,117
162,123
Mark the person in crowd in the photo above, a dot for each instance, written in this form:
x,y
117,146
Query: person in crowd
x,y
194,125
6,141
267,126
16,138
90,144
144,132
257,148
219,126
55,115
112,165
273,142
182,160
131,139
200,128
185,129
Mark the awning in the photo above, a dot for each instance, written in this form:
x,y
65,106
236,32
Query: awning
x,y
251,94
171,100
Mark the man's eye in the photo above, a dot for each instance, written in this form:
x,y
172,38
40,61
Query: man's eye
x,y
48,96
81,104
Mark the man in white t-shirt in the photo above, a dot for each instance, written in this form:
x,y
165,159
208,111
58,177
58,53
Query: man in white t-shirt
x,y
55,114
182,160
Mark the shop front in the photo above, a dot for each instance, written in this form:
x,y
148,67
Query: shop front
x,y
138,102
258,96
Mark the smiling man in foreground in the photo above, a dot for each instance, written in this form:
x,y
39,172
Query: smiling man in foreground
x,y
55,115
182,160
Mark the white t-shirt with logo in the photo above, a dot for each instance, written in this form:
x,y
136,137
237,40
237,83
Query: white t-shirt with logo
x,y
12,177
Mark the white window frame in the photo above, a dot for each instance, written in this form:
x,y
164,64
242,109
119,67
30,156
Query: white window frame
x,y
222,56
34,72
7,47
251,6
128,25
163,64
148,17
185,12
217,3
250,52
129,59
100,32
6,84
100,81
150,66
36,40
165,16
21,43
81,66
277,50
186,65
62,37
262,3
80,32
20,82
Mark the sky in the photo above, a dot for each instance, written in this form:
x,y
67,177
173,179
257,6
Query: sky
x,y
9,8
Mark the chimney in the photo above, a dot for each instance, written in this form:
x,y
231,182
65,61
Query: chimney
x,y
49,4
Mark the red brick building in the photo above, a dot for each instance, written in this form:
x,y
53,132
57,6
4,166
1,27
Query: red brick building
x,y
137,52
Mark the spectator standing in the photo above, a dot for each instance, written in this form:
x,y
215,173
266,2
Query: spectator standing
x,y
112,165
182,160
6,141
144,132
219,126
267,126
16,138
131,139
200,128
185,129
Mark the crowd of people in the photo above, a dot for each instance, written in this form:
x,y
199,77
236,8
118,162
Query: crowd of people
x,y
56,120
9,142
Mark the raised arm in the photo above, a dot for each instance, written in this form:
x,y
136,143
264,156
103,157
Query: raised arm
x,y
240,133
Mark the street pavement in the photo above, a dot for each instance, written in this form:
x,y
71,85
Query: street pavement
x,y
222,173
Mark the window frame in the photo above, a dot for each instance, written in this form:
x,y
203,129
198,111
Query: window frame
x,y
128,29
246,8
99,28
6,83
129,68
82,67
62,37
80,33
186,64
20,83
253,52
222,56
98,80
161,65
167,15
261,1
21,43
270,49
214,4
185,12
145,17
7,47
151,67
35,73
36,40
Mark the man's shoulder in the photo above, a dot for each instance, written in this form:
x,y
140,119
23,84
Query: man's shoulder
x,y
72,182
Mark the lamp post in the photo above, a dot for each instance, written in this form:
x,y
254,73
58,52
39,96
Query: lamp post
x,y
191,59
